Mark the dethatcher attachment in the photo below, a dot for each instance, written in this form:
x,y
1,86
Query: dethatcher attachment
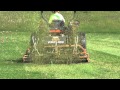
x,y
60,45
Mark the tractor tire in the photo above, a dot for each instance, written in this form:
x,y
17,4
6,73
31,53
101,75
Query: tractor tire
x,y
82,39
82,42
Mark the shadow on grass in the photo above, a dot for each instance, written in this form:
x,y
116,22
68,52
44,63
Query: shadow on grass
x,y
19,60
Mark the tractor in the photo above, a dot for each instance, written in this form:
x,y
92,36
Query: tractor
x,y
60,44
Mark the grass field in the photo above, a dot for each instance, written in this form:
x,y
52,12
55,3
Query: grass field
x,y
103,45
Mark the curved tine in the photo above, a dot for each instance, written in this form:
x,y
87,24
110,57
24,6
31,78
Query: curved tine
x,y
73,16
44,17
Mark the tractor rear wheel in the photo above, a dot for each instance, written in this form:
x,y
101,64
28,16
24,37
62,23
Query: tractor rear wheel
x,y
82,39
82,42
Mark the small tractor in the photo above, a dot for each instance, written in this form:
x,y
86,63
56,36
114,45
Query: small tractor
x,y
61,44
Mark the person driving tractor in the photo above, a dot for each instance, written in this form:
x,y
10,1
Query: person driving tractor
x,y
56,16
56,20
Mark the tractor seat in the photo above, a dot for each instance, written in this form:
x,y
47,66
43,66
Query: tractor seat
x,y
56,27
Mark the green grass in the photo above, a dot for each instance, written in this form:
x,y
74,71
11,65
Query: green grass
x,y
99,21
103,50
13,44
103,45
91,21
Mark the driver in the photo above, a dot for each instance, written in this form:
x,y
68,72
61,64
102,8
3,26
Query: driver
x,y
56,16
